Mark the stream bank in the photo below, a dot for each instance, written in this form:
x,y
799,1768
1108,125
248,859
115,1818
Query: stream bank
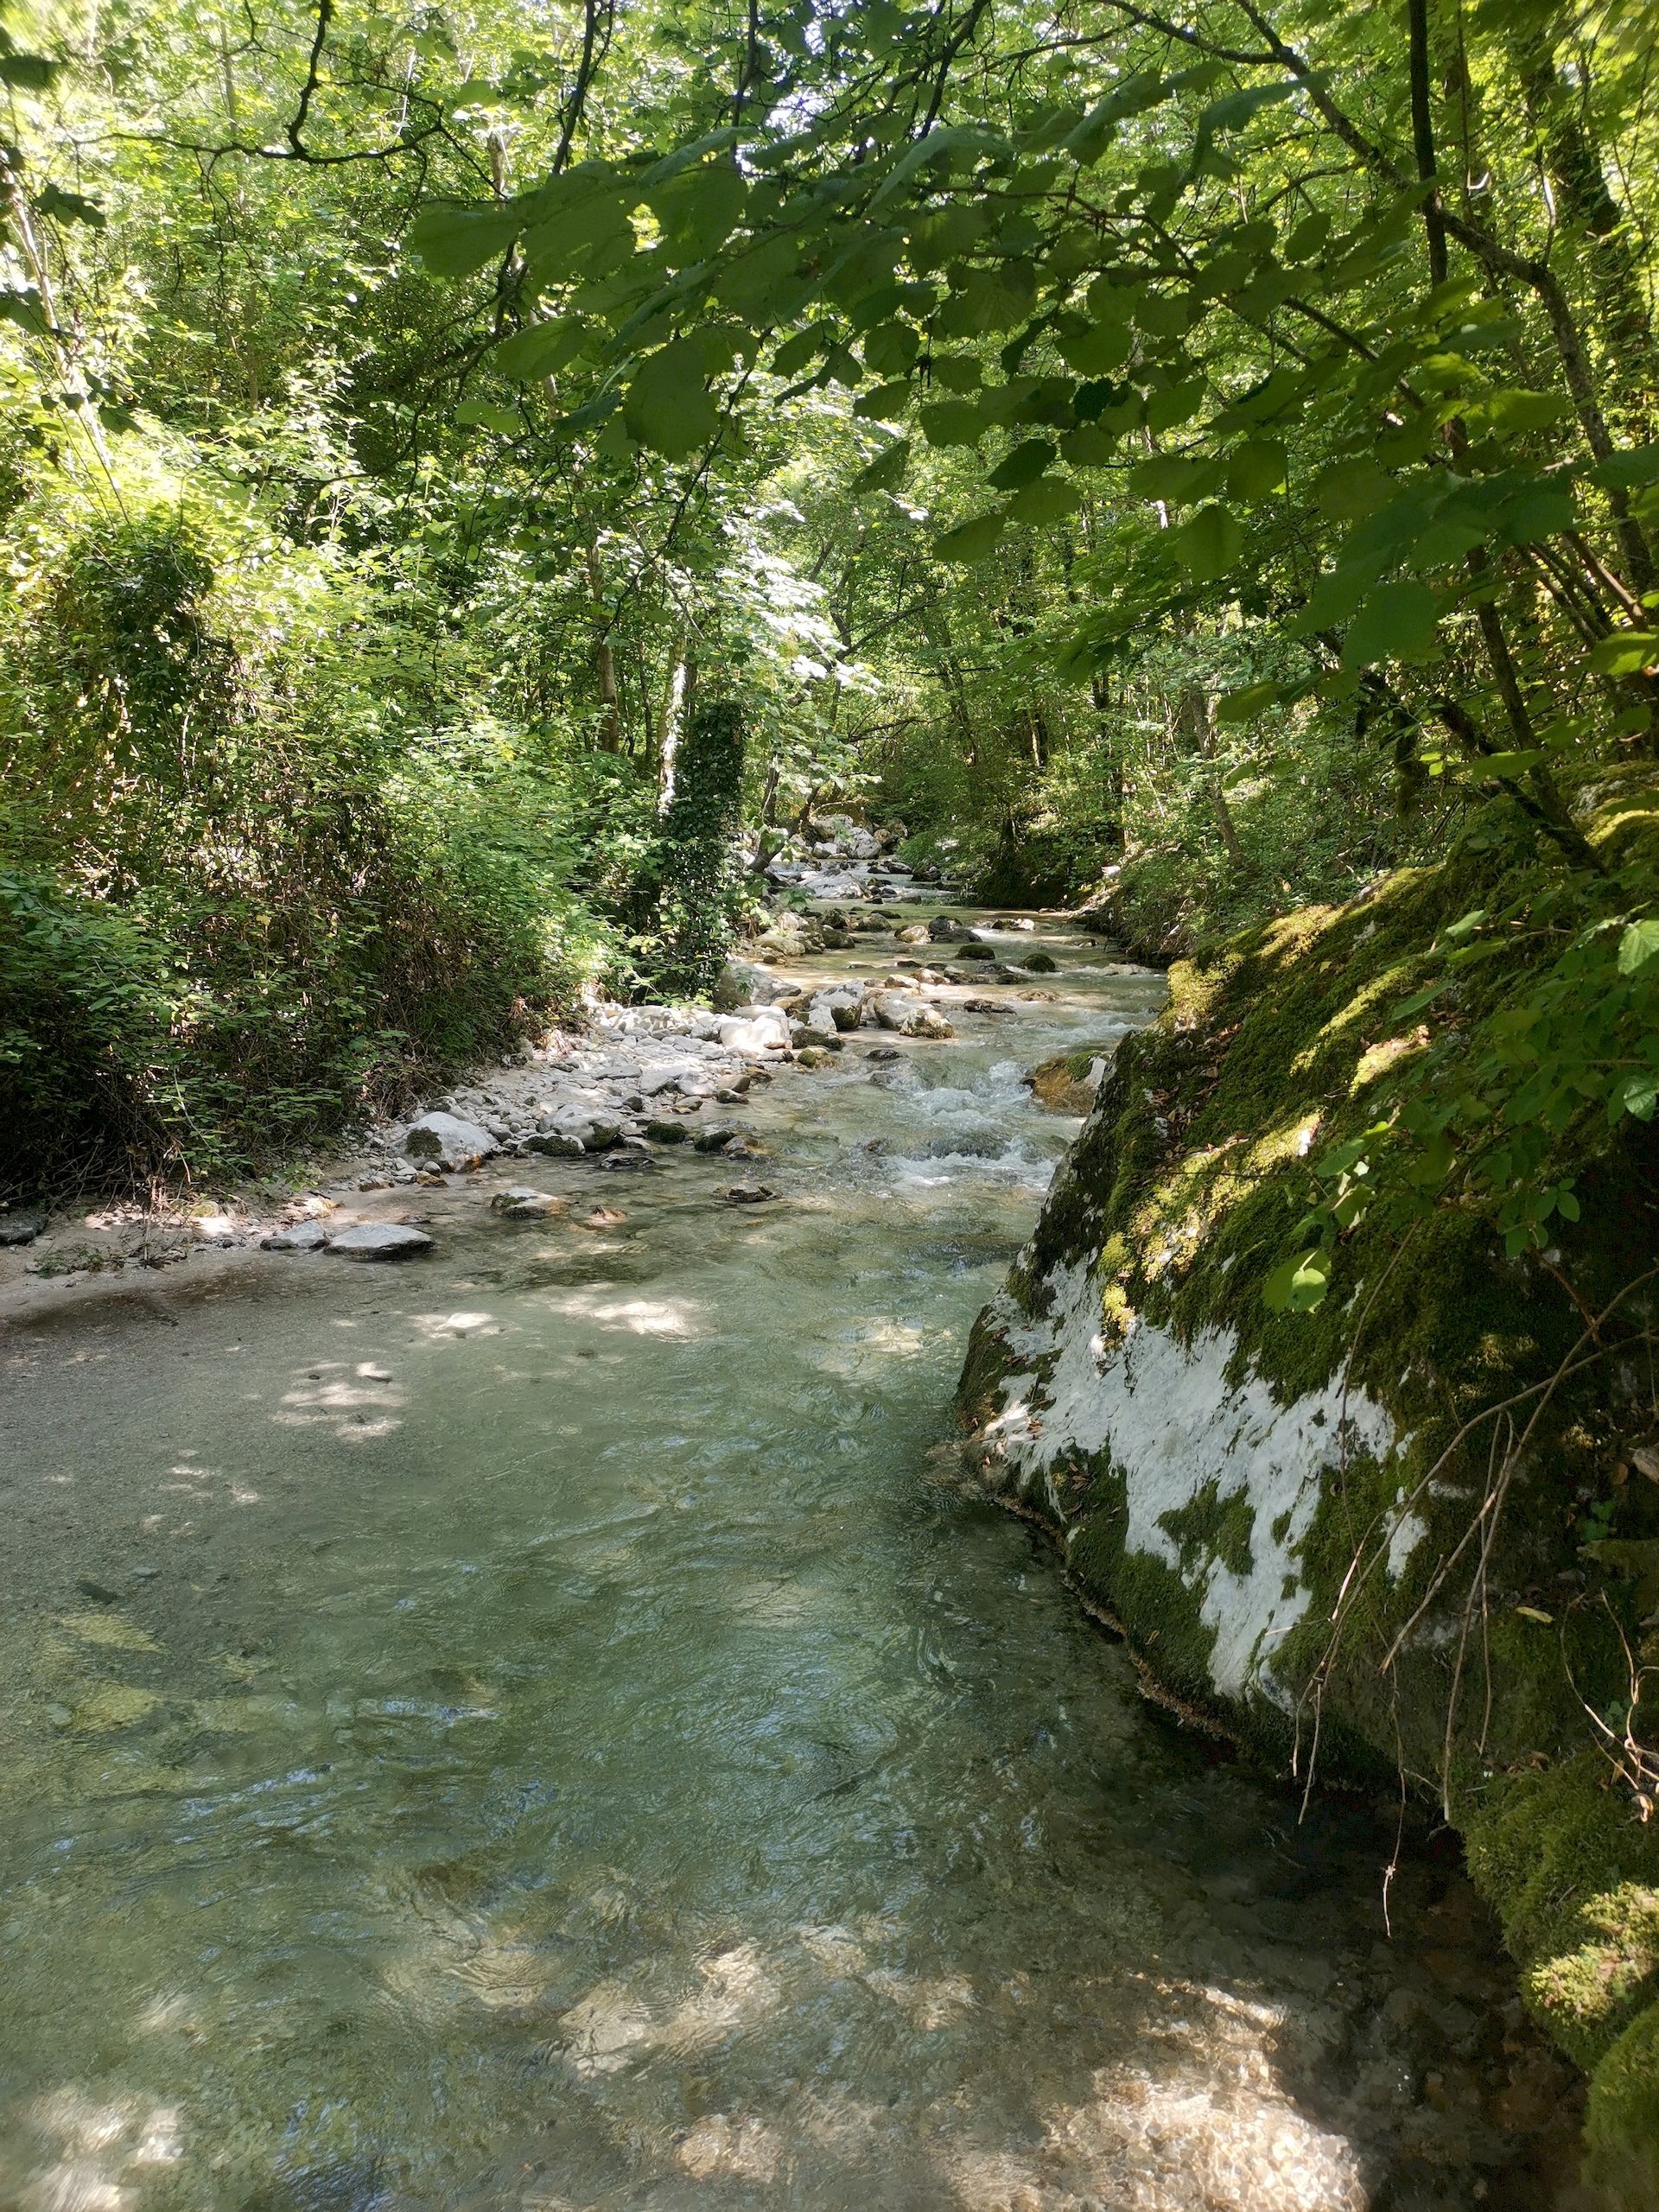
x,y
549,1738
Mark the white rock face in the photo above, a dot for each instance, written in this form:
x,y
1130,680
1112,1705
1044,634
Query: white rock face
x,y
448,1142
754,1030
1171,1423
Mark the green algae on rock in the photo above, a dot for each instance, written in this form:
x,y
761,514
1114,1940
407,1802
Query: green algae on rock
x,y
1372,1538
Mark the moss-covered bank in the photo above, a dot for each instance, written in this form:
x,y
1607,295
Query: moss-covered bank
x,y
1411,1531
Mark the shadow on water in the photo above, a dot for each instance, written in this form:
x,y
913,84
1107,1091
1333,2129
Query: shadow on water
x,y
547,1743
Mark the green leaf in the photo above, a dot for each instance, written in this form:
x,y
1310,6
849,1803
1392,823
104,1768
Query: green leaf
x,y
888,402
1098,350
1233,113
1624,472
1208,544
1627,653
952,423
1414,1005
1049,499
1636,1095
890,349
21,303
1175,404
1510,413
1244,706
795,353
686,157
1540,510
1350,489
1511,764
667,408
1257,470
27,72
1088,140
1023,466
699,209
539,350
453,240
963,145
71,207
970,541
1637,946
886,471
1175,478
484,414
1298,1284
1396,621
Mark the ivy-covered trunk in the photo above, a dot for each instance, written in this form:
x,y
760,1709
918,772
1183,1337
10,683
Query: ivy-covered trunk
x,y
688,898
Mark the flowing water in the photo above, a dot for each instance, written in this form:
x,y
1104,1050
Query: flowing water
x,y
560,1745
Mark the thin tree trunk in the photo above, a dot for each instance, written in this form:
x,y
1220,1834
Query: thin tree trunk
x,y
610,727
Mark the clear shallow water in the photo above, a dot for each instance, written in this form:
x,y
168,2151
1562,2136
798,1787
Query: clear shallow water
x,y
574,1752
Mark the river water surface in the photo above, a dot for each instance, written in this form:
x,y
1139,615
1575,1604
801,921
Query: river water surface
x,y
560,1745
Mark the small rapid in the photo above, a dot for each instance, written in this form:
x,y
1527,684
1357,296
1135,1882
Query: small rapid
x,y
552,1736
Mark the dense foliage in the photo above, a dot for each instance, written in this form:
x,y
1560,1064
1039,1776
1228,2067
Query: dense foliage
x,y
1197,462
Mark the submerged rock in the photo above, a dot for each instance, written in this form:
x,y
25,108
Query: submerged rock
x,y
523,1204
379,1240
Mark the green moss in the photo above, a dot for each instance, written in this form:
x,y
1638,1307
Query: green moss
x,y
1573,1875
1622,2122
1209,1527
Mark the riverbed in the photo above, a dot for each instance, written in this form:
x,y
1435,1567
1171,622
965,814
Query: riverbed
x,y
537,1727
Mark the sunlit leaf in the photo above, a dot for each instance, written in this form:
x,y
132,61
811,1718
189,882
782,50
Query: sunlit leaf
x,y
1639,944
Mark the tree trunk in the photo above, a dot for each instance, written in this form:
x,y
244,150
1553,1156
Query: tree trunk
x,y
1194,720
610,726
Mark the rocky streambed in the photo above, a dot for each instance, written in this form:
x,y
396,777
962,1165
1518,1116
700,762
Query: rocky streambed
x,y
541,1725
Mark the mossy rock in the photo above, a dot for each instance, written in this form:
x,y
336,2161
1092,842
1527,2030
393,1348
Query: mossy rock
x,y
1181,1193
1621,2127
1062,1083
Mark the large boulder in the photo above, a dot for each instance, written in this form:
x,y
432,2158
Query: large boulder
x,y
745,982
834,1012
753,1030
944,929
379,1240
907,1016
298,1236
1407,1532
445,1140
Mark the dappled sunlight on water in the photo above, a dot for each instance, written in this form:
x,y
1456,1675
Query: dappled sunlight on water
x,y
546,1742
